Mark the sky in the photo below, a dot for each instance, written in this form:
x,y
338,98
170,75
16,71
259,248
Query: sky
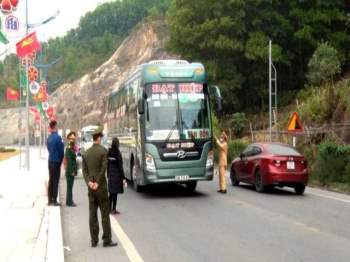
x,y
39,10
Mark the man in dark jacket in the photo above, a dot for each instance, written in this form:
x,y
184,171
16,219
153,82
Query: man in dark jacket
x,y
94,171
56,152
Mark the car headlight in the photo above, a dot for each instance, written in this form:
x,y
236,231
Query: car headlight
x,y
210,160
149,161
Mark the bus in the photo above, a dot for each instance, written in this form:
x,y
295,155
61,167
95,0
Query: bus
x,y
162,117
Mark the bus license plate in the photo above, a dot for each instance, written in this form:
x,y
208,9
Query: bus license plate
x,y
181,178
290,165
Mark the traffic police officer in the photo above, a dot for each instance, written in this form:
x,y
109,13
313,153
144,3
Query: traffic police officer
x,y
94,169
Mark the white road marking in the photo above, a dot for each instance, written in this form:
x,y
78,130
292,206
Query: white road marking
x,y
329,197
129,247
306,227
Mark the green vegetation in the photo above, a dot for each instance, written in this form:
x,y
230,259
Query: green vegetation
x,y
324,65
231,38
332,164
327,153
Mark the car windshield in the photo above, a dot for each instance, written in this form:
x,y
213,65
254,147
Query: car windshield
x,y
176,111
282,150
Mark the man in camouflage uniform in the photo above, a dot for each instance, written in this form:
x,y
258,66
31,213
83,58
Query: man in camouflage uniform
x,y
94,169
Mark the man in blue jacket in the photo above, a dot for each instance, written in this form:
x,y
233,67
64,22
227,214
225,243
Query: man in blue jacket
x,y
55,147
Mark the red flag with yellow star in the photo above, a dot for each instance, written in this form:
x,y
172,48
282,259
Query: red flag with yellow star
x,y
27,45
11,94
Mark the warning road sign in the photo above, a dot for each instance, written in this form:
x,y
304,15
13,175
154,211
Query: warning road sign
x,y
295,124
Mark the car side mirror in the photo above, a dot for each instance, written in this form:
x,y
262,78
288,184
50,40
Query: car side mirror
x,y
241,156
215,91
141,106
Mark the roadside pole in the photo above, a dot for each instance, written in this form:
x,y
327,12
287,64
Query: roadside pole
x,y
270,90
27,97
20,119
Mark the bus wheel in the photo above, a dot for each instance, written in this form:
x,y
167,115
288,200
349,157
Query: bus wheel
x,y
136,186
191,186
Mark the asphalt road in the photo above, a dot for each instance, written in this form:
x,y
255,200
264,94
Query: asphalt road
x,y
165,223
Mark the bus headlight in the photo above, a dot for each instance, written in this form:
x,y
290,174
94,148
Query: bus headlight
x,y
150,166
210,160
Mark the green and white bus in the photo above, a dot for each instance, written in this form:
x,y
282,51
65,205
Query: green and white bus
x,y
162,117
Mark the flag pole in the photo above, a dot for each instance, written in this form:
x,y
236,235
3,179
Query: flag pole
x,y
20,120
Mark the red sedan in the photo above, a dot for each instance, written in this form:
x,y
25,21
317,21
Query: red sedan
x,y
270,164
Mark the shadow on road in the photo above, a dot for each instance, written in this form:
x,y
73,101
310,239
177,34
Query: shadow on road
x,y
169,191
286,191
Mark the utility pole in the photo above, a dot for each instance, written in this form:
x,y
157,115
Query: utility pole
x,y
272,93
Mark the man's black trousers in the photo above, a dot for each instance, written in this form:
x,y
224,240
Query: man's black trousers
x,y
54,178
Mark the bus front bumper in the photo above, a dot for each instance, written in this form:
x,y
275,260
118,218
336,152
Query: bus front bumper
x,y
179,175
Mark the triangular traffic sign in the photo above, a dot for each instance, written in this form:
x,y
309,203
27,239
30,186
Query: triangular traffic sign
x,y
295,124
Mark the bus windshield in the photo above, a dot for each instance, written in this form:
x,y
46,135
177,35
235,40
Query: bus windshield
x,y
177,111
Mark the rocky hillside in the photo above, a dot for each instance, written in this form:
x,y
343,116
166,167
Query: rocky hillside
x,y
9,126
84,101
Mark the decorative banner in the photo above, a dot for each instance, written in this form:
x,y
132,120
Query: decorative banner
x,y
11,94
43,83
49,112
33,109
23,78
34,87
11,24
7,6
35,112
45,106
42,95
33,73
30,58
27,45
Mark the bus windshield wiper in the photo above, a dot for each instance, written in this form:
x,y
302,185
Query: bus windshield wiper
x,y
170,132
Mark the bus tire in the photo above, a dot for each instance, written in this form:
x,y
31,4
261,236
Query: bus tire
x,y
136,186
191,186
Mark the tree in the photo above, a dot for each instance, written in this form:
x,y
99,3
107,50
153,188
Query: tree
x,y
238,122
324,65
231,39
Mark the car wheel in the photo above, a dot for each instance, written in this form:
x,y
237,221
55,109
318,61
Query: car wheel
x,y
136,186
299,189
234,180
259,184
191,186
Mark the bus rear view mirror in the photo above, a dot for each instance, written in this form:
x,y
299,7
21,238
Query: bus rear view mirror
x,y
141,106
215,91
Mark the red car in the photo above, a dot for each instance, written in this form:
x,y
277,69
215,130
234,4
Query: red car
x,y
266,165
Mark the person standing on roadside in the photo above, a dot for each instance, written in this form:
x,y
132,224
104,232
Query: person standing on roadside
x,y
71,167
94,169
223,148
115,174
55,147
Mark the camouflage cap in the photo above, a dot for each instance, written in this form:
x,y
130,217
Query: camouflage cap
x,y
97,131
